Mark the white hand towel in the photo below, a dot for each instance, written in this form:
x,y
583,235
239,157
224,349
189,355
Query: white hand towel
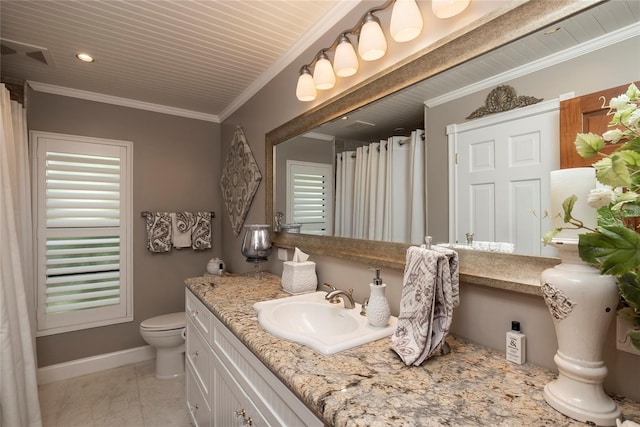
x,y
181,225
201,231
429,294
158,232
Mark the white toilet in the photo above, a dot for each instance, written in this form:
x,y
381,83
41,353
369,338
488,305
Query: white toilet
x,y
166,334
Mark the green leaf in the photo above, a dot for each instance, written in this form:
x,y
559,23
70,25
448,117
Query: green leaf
x,y
630,210
630,158
588,144
612,171
567,207
615,248
633,145
630,290
546,239
633,92
606,218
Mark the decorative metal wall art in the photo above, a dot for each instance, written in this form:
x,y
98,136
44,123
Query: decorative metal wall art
x,y
240,180
503,98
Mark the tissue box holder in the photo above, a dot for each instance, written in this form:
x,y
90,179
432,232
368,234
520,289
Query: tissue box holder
x,y
299,277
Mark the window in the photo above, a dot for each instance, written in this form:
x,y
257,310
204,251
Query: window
x,y
310,196
82,211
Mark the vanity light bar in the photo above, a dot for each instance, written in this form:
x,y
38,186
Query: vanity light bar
x,y
406,24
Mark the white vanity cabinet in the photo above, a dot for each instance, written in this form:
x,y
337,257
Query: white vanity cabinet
x,y
198,360
227,385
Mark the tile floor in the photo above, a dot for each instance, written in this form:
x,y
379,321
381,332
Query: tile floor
x,y
128,396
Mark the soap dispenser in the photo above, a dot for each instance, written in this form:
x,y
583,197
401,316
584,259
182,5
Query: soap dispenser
x,y
378,311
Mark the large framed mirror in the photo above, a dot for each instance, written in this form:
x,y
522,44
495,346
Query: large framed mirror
x,y
427,71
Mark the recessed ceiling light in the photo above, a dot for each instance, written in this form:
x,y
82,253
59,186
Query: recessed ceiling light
x,y
551,31
344,118
85,57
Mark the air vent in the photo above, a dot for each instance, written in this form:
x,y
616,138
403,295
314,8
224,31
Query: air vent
x,y
40,54
317,135
359,124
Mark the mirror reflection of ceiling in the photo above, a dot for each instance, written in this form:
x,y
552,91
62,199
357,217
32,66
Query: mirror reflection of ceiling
x,y
403,110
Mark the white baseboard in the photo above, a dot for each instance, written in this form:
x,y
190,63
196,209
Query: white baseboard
x,y
90,365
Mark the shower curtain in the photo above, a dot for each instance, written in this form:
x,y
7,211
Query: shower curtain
x,y
18,387
380,190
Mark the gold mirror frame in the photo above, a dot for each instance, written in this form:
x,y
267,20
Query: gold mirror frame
x,y
515,272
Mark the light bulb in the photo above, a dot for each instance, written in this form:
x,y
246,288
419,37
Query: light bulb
x,y
372,45
406,21
323,76
345,62
447,8
305,90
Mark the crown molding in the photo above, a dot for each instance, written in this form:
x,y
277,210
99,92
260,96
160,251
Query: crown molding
x,y
551,60
123,102
320,28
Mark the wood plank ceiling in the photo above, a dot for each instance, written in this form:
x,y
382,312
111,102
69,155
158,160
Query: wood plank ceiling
x,y
195,55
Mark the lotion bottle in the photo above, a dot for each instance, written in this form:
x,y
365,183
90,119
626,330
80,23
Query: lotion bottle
x,y
516,344
378,311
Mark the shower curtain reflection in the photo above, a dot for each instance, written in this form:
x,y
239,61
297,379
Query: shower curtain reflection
x,y
380,190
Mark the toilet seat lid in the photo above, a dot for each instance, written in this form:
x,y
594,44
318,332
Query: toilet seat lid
x,y
165,322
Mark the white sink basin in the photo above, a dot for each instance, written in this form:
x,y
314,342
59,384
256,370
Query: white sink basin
x,y
503,247
310,319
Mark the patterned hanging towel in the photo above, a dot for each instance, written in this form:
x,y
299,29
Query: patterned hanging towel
x,y
181,226
158,232
429,294
201,231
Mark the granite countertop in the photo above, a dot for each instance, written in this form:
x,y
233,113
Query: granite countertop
x,y
370,386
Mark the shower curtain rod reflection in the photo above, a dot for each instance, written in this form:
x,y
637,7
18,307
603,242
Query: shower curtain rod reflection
x,y
384,146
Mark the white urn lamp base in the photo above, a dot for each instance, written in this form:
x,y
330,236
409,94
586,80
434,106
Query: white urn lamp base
x,y
582,303
578,393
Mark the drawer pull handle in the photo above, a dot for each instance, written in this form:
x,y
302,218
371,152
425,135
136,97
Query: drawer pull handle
x,y
195,354
243,414
195,407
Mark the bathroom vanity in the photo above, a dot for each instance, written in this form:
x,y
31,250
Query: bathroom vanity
x,y
227,385
239,374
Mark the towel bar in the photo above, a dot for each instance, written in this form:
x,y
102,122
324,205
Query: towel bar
x,y
147,213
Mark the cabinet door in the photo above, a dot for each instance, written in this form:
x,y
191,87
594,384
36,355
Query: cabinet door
x,y
198,355
197,405
230,405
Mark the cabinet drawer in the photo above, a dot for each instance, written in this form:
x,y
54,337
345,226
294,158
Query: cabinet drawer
x,y
197,405
198,313
198,355
278,405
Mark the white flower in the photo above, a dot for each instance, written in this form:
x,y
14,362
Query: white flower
x,y
599,197
612,135
633,121
619,102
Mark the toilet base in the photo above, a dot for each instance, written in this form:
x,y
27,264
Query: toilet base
x,y
169,363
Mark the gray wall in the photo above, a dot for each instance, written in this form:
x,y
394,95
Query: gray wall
x,y
484,315
176,167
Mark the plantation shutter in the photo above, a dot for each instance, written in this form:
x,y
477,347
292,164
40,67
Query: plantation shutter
x,y
310,196
83,233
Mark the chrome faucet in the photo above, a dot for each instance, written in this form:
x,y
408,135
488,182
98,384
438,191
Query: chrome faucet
x,y
469,238
333,296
